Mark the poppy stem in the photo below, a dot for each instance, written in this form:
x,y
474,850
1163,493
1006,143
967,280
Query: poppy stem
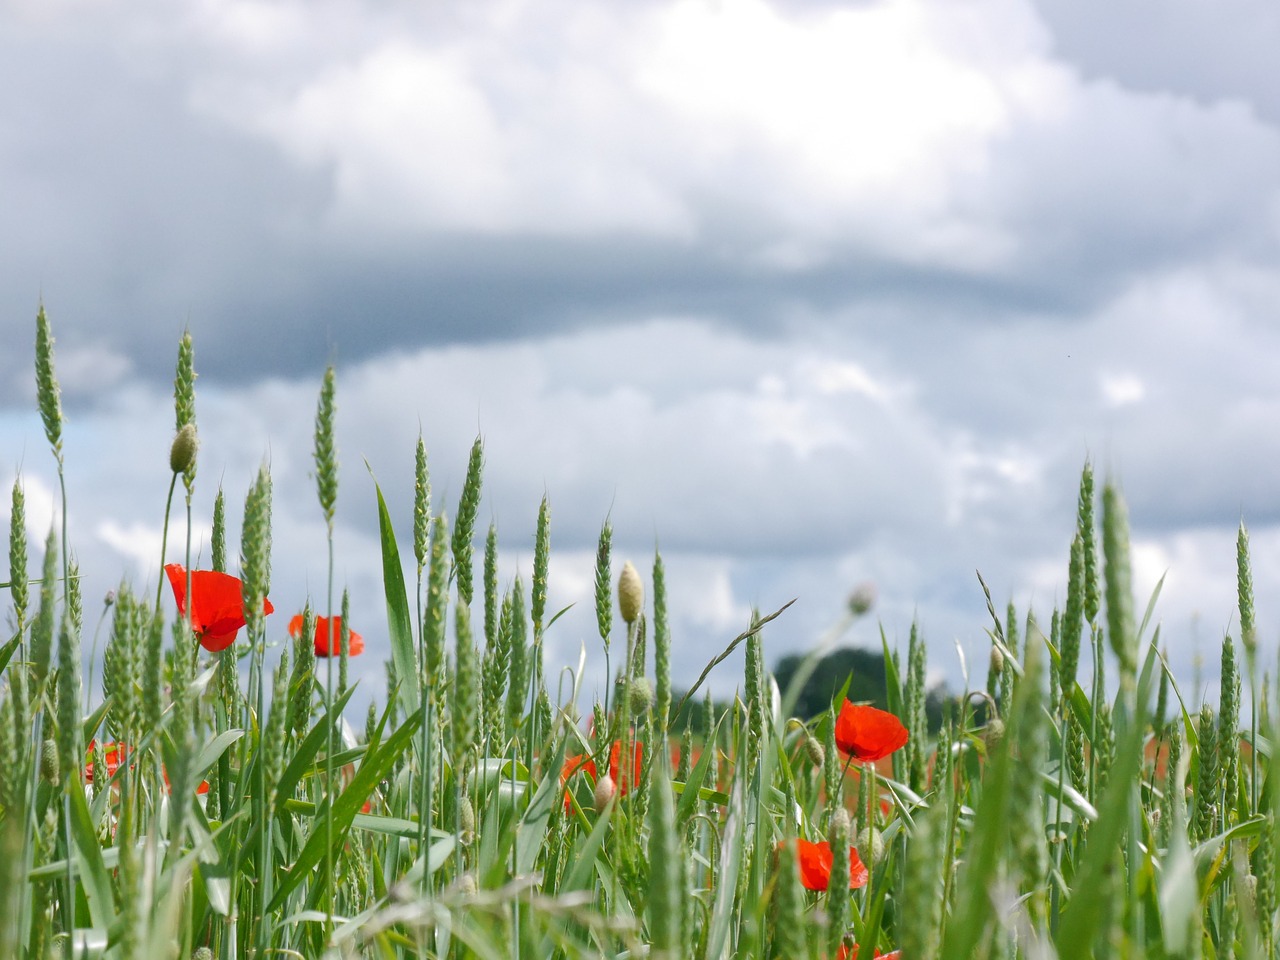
x,y
164,543
328,753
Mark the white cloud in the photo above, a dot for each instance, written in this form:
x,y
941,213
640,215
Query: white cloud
x,y
839,292
921,132
1122,389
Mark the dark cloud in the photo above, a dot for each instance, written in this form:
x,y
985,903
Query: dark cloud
x,y
1204,51
149,186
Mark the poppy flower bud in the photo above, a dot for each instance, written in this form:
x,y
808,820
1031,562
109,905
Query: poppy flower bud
x,y
606,790
997,661
839,823
630,593
817,755
467,884
641,696
182,455
862,599
870,846
993,733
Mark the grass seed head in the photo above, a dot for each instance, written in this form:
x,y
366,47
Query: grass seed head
x,y
18,588
326,457
48,393
463,531
421,505
49,760
604,609
541,561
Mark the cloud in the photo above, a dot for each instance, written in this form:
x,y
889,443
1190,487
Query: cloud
x,y
805,293
1209,52
301,181
766,471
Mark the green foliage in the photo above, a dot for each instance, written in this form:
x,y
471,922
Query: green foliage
x,y
194,815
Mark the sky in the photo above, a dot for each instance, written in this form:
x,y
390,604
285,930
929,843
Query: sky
x,y
804,294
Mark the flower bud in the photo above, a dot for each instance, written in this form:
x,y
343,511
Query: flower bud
x,y
993,733
182,455
467,884
862,599
630,593
870,846
997,660
813,747
606,790
839,824
641,696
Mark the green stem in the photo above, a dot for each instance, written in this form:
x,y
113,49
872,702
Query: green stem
x,y
328,753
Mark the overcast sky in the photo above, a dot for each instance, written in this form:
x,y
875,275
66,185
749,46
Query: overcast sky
x,y
805,293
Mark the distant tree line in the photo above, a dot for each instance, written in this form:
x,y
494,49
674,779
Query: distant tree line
x,y
864,669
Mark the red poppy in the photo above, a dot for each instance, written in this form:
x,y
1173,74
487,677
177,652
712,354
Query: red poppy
x,y
355,643
816,860
217,604
112,754
583,762
868,734
851,953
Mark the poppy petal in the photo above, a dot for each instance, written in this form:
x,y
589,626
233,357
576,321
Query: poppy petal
x,y
816,861
868,734
355,642
216,604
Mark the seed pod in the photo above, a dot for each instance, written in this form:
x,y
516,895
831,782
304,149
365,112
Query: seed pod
x,y
630,593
